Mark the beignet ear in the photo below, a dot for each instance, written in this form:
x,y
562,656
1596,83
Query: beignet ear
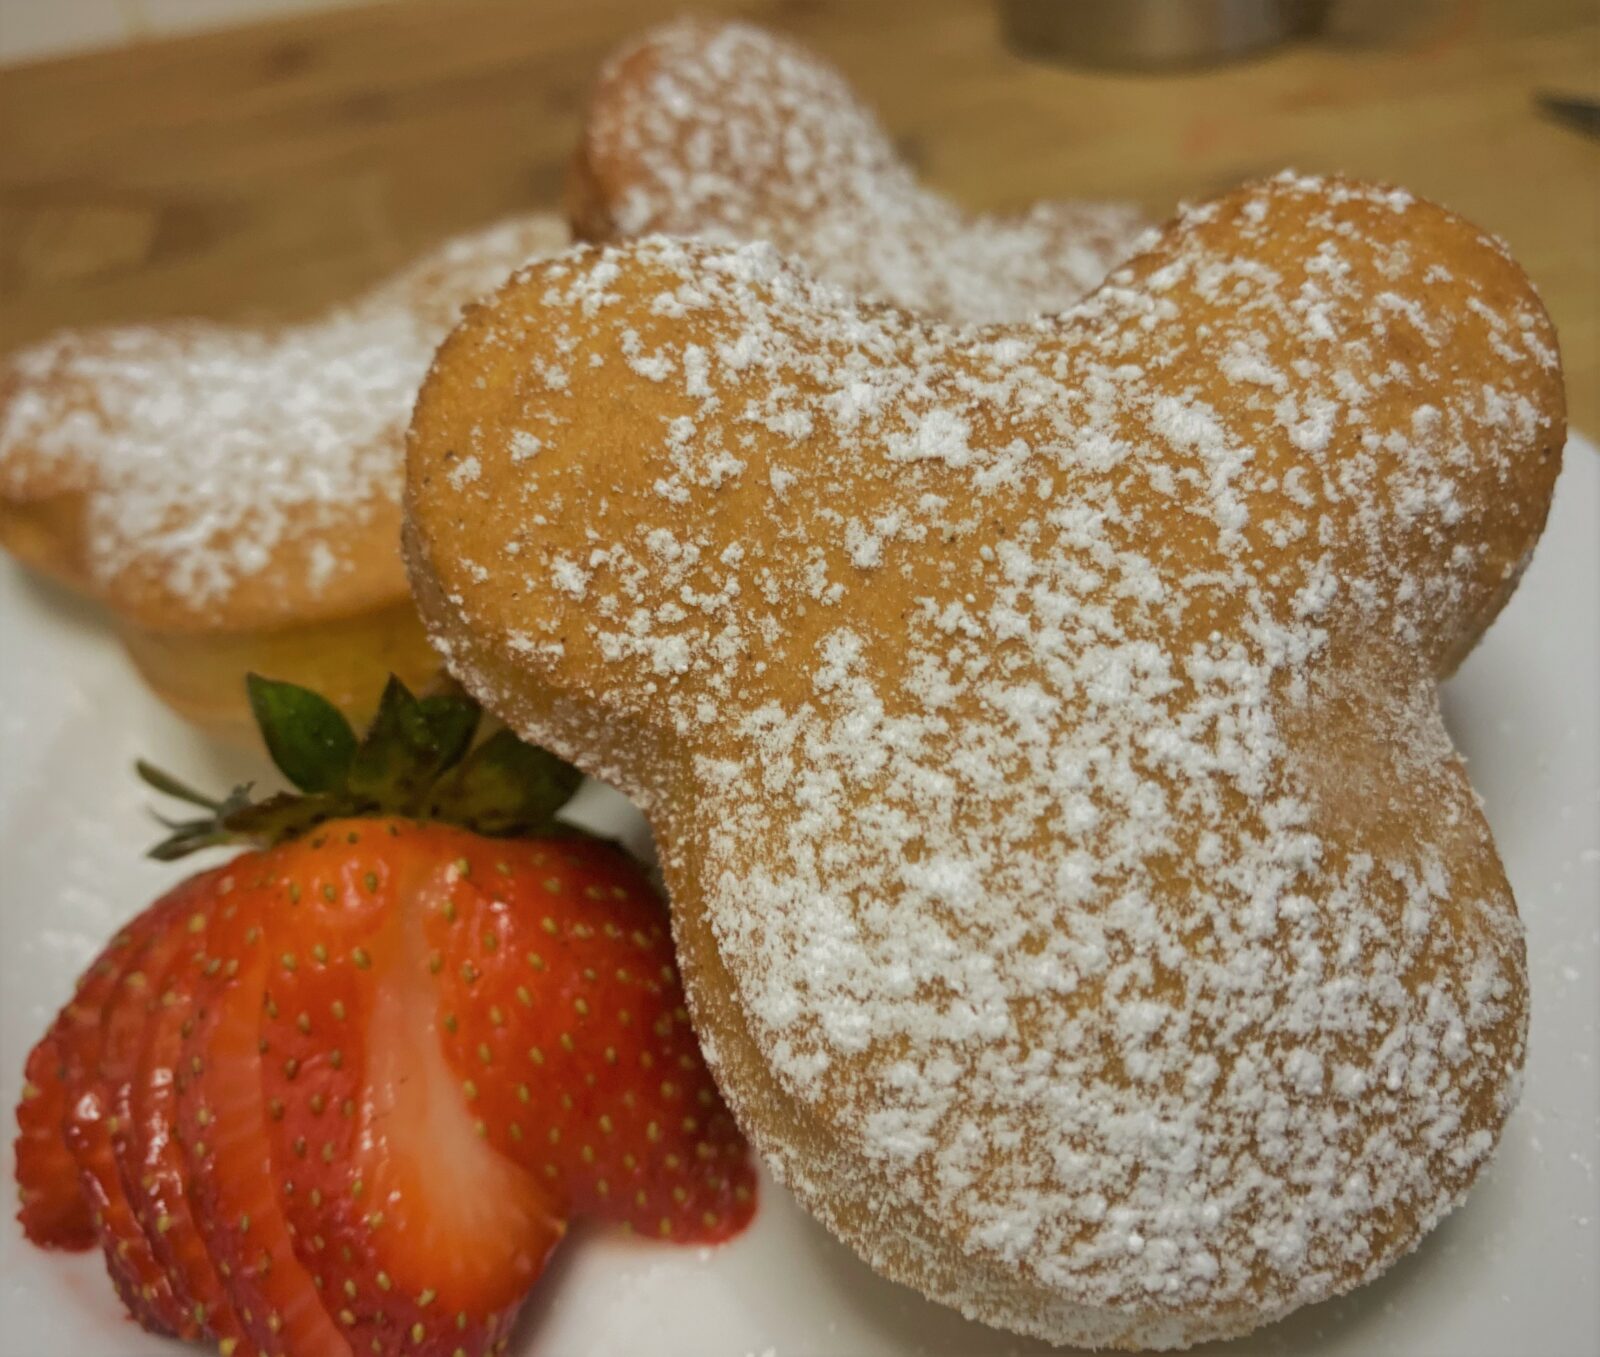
x,y
725,132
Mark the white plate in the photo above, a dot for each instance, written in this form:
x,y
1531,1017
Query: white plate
x,y
1514,1271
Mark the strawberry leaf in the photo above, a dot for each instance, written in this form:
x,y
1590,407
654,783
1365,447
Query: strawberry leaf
x,y
394,753
507,787
416,759
164,782
188,836
306,735
281,817
409,744
454,721
204,831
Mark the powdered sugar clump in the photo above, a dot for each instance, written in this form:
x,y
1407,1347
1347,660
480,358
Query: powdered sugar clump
x,y
734,134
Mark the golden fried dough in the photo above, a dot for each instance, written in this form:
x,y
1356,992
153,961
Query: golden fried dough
x,y
1079,898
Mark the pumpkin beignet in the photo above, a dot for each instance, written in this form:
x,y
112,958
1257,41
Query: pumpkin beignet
x,y
1077,893
231,494
726,132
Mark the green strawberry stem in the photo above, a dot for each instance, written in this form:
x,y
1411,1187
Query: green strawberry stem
x,y
417,759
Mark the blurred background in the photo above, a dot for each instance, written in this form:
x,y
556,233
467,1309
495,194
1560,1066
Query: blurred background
x,y
262,157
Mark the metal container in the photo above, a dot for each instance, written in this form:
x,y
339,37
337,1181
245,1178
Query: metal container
x,y
1146,35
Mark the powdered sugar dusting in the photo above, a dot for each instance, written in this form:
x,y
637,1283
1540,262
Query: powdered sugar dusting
x,y
1063,778
205,449
734,134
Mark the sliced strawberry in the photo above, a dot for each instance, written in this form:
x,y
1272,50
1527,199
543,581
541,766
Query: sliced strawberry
x,y
53,1213
221,1125
125,1026
418,1231
57,1060
563,1016
343,1094
152,1165
117,983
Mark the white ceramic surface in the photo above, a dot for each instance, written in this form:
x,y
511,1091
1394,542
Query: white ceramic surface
x,y
1514,1271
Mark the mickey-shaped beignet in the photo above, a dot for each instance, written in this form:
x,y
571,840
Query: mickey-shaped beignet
x,y
1078,896
730,133
232,493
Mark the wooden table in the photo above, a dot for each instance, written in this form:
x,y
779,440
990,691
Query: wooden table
x,y
270,169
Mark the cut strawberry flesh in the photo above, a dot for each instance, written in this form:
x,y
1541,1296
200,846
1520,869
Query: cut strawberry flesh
x,y
414,1225
109,1004
154,1168
125,1027
462,1221
222,1125
53,1212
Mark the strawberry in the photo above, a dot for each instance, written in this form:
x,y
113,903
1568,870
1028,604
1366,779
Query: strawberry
x,y
152,1162
413,1224
115,984
564,980
53,1213
221,1124
345,1093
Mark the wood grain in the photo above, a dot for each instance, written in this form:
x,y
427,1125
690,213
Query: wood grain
x,y
271,169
